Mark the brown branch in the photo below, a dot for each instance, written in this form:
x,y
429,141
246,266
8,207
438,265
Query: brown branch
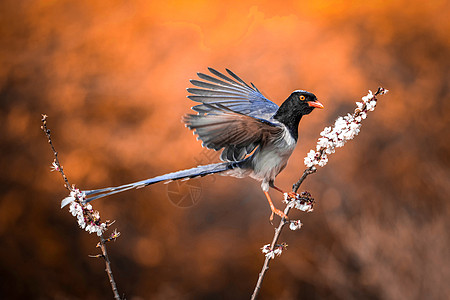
x,y
67,185
277,234
55,153
307,172
108,268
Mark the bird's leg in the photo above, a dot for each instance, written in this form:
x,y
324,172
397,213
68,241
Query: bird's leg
x,y
290,194
273,209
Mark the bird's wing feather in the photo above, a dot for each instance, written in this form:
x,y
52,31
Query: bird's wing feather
x,y
231,92
237,133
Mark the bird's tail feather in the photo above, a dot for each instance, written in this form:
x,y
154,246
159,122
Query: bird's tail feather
x,y
199,171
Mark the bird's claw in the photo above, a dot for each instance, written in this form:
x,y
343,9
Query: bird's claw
x,y
278,213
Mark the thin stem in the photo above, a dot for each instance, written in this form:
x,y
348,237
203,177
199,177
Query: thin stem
x,y
69,187
55,153
267,260
307,172
277,234
108,268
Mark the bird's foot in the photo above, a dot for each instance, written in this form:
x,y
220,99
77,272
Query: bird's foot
x,y
279,213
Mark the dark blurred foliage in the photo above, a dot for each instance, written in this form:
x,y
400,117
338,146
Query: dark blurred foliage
x,y
112,76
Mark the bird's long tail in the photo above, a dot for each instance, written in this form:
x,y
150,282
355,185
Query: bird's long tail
x,y
199,171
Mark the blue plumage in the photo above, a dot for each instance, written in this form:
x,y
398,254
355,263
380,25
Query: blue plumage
x,y
255,135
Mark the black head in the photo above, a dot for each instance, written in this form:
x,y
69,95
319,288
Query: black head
x,y
298,104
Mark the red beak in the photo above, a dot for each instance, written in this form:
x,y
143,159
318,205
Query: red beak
x,y
315,104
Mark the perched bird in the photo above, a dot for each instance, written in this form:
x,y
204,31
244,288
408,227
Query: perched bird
x,y
257,136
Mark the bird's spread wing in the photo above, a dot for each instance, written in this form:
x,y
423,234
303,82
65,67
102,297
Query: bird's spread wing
x,y
233,93
237,133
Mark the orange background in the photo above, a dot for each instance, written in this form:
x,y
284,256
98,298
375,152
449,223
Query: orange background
x,y
111,76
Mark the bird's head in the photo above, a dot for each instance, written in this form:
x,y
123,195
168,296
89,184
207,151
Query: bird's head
x,y
303,102
298,104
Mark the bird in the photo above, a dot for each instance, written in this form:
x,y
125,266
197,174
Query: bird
x,y
255,135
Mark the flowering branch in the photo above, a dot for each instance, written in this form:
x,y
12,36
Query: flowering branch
x,y
87,218
344,129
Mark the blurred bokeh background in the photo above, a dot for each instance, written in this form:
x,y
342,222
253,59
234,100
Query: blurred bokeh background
x,y
111,76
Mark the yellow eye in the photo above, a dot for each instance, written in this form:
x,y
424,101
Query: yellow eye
x,y
302,97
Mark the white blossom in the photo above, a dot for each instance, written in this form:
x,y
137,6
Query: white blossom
x,y
75,209
368,97
323,161
278,249
90,228
75,194
54,167
344,129
371,105
294,225
303,206
87,218
310,158
266,248
326,131
299,202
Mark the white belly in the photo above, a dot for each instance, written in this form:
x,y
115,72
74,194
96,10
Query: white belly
x,y
267,161
271,159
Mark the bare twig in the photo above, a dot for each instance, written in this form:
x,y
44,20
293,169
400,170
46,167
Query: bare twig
x,y
307,172
58,167
108,268
277,234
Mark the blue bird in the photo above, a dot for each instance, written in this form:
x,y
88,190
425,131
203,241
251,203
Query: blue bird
x,y
256,136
